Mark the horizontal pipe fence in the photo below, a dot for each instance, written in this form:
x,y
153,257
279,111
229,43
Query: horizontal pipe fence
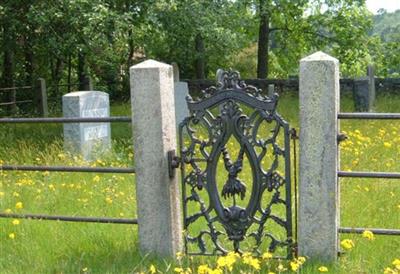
x,y
128,170
78,219
367,174
122,119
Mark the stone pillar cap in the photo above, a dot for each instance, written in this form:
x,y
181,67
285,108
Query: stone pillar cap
x,y
319,56
150,64
85,93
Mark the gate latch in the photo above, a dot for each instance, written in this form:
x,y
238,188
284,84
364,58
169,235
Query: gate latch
x,y
173,163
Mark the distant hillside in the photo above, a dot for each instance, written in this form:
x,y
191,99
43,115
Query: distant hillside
x,y
387,25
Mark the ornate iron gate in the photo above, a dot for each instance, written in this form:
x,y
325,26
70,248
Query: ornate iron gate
x,y
235,169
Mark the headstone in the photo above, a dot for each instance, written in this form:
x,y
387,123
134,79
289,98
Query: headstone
x,y
181,91
361,94
154,135
87,139
318,185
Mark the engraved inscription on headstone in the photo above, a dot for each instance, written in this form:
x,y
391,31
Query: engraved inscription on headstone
x,y
87,139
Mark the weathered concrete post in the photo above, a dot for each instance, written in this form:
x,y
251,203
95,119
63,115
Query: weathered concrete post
x,y
318,190
41,97
154,134
362,94
271,90
372,93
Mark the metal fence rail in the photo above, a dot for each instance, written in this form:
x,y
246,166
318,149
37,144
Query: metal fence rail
x,y
368,174
16,102
125,119
15,88
69,218
377,231
369,116
68,169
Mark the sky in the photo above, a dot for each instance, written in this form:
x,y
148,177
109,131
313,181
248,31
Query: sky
x,y
389,5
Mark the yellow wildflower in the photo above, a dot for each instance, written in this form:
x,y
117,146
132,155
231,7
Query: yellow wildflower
x,y
1,193
388,270
19,205
109,200
396,264
267,256
387,144
294,265
11,236
322,269
281,268
85,269
96,179
178,270
15,222
215,271
368,235
8,210
152,269
227,261
301,260
203,269
253,262
179,255
347,244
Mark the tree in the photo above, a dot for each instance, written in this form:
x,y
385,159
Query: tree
x,y
289,29
199,35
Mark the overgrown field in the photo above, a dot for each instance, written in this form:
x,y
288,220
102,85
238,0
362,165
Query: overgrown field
x,y
31,246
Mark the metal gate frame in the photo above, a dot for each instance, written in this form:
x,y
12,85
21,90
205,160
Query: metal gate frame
x,y
232,122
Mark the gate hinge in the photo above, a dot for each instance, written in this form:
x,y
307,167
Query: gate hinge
x,y
293,134
341,137
173,163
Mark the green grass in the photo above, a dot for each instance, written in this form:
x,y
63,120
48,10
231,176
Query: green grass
x,y
60,247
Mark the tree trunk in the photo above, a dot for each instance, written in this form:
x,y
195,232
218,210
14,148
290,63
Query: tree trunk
x,y
263,43
56,73
200,57
8,66
81,70
28,53
69,74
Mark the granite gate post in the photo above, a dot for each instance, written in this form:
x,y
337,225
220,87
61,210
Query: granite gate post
x,y
318,186
154,134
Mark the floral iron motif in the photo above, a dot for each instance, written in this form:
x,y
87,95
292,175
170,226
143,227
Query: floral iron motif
x,y
245,209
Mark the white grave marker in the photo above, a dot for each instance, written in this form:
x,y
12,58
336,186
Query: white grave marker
x,y
87,139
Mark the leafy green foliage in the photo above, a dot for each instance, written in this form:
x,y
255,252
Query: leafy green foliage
x,y
63,40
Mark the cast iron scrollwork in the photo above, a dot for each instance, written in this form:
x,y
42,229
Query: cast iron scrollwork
x,y
225,209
